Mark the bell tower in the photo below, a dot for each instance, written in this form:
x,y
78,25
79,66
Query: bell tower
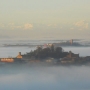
x,y
19,55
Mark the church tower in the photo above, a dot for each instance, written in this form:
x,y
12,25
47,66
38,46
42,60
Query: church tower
x,y
19,55
71,41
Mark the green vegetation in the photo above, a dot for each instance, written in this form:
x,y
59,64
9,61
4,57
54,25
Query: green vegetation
x,y
43,53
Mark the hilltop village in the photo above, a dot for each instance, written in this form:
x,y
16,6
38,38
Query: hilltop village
x,y
62,43
48,54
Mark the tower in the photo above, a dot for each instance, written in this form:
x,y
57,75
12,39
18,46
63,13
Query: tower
x,y
19,55
71,41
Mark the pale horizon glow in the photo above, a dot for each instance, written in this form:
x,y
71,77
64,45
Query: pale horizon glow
x,y
45,19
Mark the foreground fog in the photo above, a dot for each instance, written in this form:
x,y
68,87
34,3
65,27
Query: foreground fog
x,y
45,78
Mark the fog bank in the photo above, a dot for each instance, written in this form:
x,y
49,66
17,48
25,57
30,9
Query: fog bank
x,y
45,78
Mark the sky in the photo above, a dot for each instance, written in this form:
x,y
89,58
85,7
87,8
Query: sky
x,y
44,19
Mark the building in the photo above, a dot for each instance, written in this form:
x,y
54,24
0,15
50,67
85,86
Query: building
x,y
19,55
7,60
67,60
72,55
51,60
19,58
70,58
71,41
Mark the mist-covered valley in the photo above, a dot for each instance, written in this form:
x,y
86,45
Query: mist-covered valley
x,y
41,76
25,77
44,45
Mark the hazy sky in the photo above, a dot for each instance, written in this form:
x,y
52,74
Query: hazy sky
x,y
45,19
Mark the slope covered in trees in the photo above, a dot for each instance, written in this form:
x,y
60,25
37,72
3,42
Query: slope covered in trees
x,y
43,53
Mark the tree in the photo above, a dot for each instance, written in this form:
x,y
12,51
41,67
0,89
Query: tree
x,y
59,50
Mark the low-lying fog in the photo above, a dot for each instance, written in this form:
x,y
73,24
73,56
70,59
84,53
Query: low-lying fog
x,y
44,78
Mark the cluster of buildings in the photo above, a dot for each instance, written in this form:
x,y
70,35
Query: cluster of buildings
x,y
67,43
71,58
18,58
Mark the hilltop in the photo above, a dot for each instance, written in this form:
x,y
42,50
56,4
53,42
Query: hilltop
x,y
49,54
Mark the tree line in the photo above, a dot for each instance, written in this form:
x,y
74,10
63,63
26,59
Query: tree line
x,y
43,53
